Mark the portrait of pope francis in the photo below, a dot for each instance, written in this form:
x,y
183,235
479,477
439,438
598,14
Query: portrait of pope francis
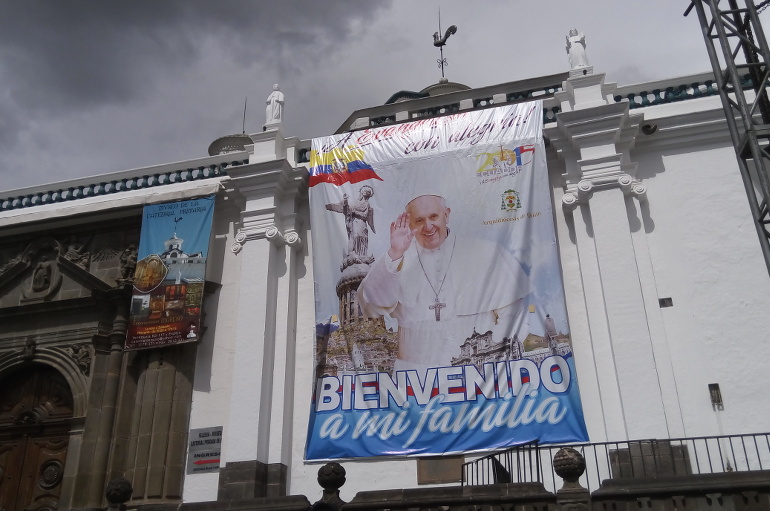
x,y
441,286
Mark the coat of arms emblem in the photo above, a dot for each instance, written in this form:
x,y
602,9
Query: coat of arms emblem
x,y
510,200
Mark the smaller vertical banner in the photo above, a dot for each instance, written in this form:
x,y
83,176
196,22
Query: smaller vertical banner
x,y
170,273
204,451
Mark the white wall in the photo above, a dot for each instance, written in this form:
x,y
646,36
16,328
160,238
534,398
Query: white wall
x,y
212,383
690,239
706,256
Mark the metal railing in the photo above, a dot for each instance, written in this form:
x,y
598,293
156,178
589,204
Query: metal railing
x,y
624,460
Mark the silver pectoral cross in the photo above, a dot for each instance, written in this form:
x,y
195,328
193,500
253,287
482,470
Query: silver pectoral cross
x,y
437,306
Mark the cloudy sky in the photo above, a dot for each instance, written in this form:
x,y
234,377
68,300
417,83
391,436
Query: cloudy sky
x,y
91,87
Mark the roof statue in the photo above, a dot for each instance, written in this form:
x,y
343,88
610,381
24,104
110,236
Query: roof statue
x,y
576,49
274,109
440,42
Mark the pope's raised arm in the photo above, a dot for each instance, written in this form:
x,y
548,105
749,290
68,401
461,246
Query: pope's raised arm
x,y
379,293
423,221
401,235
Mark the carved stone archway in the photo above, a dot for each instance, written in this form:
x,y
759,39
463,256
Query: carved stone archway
x,y
58,359
36,416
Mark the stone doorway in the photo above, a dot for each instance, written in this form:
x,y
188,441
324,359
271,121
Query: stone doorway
x,y
36,409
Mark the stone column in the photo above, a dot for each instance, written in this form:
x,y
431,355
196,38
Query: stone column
x,y
106,371
594,137
259,426
284,354
111,377
158,434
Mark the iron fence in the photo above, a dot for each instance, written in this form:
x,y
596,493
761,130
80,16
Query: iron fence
x,y
620,460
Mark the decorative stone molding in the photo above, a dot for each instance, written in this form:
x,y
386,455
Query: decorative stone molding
x,y
240,239
10,263
60,360
28,351
585,188
632,187
40,262
127,265
272,234
569,201
81,356
77,254
577,194
275,236
625,181
595,137
292,239
255,231
639,190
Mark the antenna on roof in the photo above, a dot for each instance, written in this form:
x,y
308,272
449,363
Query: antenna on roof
x,y
244,115
439,42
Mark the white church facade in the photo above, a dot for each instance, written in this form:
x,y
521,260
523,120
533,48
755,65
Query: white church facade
x,y
666,293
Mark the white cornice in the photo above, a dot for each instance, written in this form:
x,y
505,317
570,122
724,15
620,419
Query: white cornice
x,y
110,203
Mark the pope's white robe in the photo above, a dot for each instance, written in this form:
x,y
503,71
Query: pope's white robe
x,y
479,287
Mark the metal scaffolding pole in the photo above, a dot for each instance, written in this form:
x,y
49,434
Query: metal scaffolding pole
x,y
736,33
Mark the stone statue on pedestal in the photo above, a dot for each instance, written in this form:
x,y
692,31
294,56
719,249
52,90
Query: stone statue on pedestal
x,y
274,109
576,49
359,218
127,265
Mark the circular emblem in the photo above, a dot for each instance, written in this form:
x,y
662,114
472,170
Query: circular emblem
x,y
50,474
149,273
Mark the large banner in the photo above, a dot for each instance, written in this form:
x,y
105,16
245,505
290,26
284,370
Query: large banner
x,y
170,273
441,324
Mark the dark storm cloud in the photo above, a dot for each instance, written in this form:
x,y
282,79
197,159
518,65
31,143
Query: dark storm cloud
x,y
92,87
57,57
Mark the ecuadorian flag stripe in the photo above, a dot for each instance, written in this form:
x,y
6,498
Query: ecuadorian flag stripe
x,y
337,154
357,171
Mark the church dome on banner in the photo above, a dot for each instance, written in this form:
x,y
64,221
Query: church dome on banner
x,y
174,253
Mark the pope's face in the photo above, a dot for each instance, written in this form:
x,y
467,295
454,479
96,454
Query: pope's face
x,y
428,214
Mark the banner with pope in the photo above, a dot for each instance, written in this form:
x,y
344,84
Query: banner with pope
x,y
440,318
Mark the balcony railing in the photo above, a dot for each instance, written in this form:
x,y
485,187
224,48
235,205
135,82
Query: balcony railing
x,y
150,177
624,460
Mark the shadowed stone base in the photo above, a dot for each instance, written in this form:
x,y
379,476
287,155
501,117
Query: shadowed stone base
x,y
292,503
441,469
244,480
277,474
